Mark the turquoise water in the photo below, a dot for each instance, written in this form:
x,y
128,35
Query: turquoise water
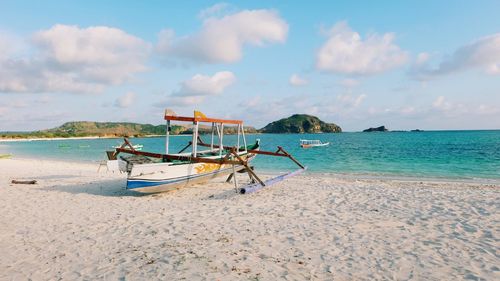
x,y
430,154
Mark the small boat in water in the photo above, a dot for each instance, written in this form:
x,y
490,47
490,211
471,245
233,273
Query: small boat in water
x,y
312,143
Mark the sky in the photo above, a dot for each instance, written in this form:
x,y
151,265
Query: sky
x,y
432,65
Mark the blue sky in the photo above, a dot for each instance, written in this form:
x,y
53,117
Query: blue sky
x,y
421,64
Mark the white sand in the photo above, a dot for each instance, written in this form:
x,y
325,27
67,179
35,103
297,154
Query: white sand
x,y
77,224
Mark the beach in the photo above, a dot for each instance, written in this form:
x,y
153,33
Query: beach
x,y
76,223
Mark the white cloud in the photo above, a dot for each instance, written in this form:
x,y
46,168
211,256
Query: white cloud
x,y
346,52
296,80
197,88
221,40
481,54
202,85
126,100
73,59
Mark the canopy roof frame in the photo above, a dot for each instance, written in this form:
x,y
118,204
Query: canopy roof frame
x,y
217,127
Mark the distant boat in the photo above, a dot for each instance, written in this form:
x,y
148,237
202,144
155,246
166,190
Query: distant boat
x,y
135,146
84,146
312,143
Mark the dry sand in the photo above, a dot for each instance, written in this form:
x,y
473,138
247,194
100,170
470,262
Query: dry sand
x,y
78,224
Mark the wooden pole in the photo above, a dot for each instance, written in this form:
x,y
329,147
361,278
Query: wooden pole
x,y
195,138
290,156
186,147
167,137
230,177
221,147
212,140
250,172
238,143
127,143
243,136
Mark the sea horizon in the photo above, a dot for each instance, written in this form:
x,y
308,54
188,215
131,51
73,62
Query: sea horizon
x,y
466,155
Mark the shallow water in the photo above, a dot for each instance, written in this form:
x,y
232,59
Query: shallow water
x,y
432,154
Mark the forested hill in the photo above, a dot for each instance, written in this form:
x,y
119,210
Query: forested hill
x,y
300,123
110,129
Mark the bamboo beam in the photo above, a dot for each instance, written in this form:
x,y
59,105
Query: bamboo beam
x,y
180,158
291,157
250,172
267,153
186,147
128,144
202,119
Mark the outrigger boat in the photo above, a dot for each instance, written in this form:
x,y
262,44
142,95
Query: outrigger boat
x,y
312,143
150,172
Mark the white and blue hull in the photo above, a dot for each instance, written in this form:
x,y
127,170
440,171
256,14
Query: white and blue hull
x,y
160,177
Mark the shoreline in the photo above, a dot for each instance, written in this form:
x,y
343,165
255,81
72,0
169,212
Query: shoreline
x,y
72,138
98,137
321,174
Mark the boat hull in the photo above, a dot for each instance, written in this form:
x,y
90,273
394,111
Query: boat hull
x,y
162,185
161,177
314,145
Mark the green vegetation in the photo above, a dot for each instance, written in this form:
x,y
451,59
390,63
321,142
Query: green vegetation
x,y
109,129
300,123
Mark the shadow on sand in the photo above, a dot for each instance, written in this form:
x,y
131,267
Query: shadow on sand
x,y
111,188
116,188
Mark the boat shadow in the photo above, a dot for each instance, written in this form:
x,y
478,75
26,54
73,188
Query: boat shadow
x,y
116,188
107,188
223,194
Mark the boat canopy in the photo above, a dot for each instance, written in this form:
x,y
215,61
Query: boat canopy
x,y
198,117
217,130
310,142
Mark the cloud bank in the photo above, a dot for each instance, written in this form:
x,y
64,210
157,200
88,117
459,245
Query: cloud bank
x,y
197,88
483,54
73,59
221,40
345,52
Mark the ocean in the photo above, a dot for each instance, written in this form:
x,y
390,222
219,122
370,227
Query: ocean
x,y
456,155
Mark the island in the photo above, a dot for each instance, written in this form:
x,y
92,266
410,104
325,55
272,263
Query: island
x,y
377,129
297,123
78,129
300,124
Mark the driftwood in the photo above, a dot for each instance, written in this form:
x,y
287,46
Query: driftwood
x,y
23,181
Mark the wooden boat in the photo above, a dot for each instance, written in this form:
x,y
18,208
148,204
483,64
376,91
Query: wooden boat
x,y
150,172
312,143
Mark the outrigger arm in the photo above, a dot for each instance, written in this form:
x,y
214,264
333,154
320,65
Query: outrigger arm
x,y
255,186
